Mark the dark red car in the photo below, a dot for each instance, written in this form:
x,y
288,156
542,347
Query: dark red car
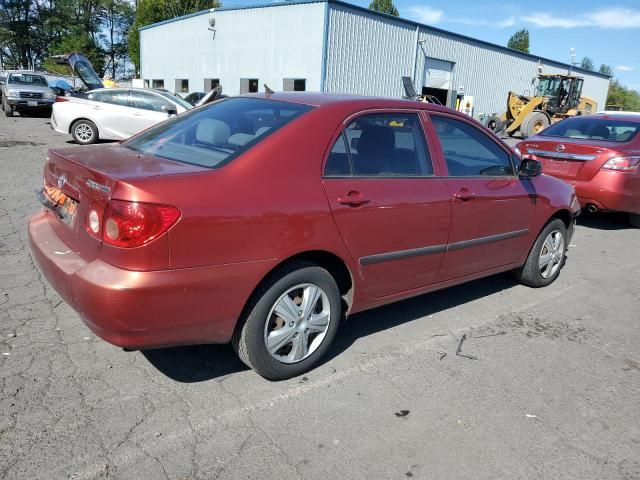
x,y
263,220
599,155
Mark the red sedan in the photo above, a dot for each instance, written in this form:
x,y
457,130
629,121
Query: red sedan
x,y
264,220
599,155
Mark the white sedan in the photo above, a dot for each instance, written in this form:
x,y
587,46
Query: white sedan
x,y
113,113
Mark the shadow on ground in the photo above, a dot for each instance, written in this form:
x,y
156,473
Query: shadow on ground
x,y
208,362
605,221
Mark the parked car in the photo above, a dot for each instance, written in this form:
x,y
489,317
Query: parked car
x,y
263,220
194,97
599,155
113,113
25,91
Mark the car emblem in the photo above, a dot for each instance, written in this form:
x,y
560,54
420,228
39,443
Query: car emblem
x,y
62,179
560,148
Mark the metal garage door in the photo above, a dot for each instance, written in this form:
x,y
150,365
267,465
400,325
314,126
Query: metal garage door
x,y
438,73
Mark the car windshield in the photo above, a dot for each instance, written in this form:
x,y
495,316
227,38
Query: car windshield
x,y
594,128
214,135
27,79
176,99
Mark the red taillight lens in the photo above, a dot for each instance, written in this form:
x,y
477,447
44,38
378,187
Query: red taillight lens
x,y
132,224
622,164
61,99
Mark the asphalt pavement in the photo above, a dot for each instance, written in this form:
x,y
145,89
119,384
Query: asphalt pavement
x,y
488,380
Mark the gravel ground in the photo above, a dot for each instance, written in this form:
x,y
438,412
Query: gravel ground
x,y
546,385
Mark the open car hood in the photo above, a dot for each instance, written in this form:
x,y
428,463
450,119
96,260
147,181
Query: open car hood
x,y
82,68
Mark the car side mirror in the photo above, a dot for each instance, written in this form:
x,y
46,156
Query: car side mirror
x,y
530,168
169,110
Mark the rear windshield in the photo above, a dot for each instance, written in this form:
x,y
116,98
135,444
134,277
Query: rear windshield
x,y
594,128
215,134
27,79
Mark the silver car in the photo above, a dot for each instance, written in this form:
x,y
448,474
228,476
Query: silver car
x,y
26,91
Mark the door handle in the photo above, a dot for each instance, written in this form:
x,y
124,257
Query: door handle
x,y
136,114
464,195
354,199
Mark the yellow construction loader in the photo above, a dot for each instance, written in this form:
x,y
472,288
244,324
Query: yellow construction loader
x,y
557,97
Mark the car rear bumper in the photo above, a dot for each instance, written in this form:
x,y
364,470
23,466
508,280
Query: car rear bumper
x,y
136,309
610,190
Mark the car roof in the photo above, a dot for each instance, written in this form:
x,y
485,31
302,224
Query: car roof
x,y
625,116
318,99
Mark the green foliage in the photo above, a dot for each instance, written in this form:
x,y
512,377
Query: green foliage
x,y
606,69
384,6
519,41
152,11
619,95
587,64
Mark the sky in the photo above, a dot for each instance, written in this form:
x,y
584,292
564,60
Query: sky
x,y
606,31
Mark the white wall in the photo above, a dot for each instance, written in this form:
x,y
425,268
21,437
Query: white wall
x,y
269,43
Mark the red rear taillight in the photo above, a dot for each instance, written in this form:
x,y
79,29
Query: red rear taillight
x,y
132,224
622,164
61,99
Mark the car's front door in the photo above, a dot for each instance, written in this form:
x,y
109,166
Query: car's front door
x,y
110,110
392,212
492,208
147,110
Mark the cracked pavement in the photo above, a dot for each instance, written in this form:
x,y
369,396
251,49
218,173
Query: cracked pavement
x,y
552,393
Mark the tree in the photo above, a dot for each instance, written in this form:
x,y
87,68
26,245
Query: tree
x,y
587,64
384,6
519,41
152,11
606,69
620,95
117,17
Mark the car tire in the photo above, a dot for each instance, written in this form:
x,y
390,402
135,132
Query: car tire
x,y
533,124
634,219
494,123
546,257
8,111
283,303
84,132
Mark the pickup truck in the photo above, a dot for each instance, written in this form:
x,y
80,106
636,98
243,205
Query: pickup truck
x,y
22,91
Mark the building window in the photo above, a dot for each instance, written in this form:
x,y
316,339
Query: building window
x,y
157,83
182,85
146,84
211,83
294,84
248,85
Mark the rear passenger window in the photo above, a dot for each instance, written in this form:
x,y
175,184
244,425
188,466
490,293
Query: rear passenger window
x,y
468,151
385,145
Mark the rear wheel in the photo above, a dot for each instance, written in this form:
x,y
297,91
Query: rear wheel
x,y
634,219
84,132
495,124
546,257
533,124
290,322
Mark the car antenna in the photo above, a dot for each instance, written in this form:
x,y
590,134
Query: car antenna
x,y
267,90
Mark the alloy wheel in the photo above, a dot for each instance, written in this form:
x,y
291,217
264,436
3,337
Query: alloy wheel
x,y
84,132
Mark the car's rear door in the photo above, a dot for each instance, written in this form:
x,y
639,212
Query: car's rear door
x,y
392,212
492,208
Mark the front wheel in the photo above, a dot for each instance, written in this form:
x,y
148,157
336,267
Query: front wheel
x,y
290,322
8,111
84,132
634,219
546,257
533,124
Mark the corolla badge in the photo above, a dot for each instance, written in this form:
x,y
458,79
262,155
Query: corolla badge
x,y
62,179
560,148
97,186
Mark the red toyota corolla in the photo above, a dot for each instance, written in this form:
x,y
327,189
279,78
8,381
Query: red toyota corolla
x,y
264,220
599,155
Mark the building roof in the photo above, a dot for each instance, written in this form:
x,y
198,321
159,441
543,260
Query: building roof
x,y
405,21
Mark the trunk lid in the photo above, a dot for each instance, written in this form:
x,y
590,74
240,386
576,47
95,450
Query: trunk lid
x,y
82,68
571,159
88,177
